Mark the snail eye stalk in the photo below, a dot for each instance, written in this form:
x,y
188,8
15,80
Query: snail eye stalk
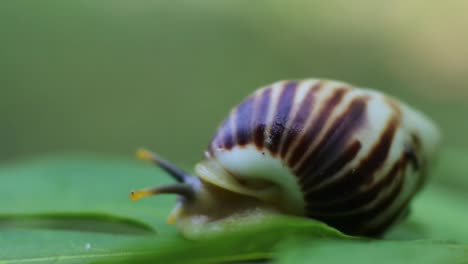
x,y
182,189
177,173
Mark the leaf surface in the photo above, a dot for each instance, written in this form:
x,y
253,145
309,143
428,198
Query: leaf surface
x,y
76,210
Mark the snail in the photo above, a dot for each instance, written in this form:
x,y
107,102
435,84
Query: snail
x,y
350,157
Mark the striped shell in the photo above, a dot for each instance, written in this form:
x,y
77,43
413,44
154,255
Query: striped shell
x,y
347,156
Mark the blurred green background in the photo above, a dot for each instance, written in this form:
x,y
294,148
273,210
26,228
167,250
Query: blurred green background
x,y
111,76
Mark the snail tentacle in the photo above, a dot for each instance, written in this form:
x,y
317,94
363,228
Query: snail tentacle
x,y
183,189
177,173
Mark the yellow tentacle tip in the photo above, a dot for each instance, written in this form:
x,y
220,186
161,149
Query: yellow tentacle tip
x,y
144,154
137,195
133,196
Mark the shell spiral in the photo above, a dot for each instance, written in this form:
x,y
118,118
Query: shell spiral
x,y
350,157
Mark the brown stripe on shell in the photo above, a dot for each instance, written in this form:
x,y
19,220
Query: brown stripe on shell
x,y
350,222
355,178
300,118
244,121
378,230
413,152
412,157
352,181
334,167
310,133
261,117
229,134
281,115
361,197
393,104
224,137
325,158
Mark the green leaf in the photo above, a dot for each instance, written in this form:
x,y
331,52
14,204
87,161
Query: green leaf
x,y
77,222
382,252
255,240
84,185
77,210
53,207
61,246
65,191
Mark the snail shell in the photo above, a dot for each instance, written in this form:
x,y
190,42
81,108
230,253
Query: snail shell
x,y
350,157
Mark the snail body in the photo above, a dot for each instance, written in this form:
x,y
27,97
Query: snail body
x,y
350,157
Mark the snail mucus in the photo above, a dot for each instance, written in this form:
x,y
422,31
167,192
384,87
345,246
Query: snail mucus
x,y
350,157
